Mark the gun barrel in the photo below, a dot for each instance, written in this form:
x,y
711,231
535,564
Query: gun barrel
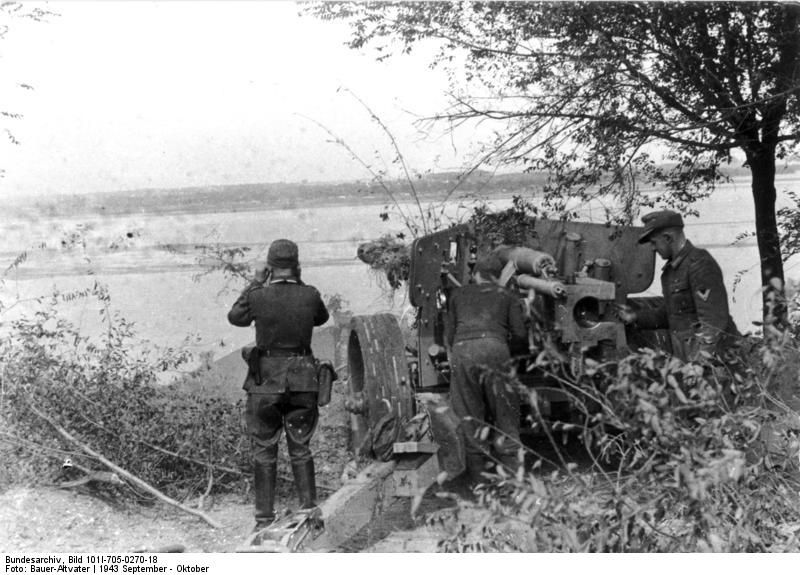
x,y
553,288
526,260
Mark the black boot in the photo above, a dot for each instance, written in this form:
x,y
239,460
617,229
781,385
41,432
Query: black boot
x,y
305,483
266,475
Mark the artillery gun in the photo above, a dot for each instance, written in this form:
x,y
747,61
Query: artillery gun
x,y
596,266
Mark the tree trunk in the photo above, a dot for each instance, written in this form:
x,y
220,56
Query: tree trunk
x,y
762,169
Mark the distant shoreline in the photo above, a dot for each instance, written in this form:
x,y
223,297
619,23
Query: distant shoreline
x,y
262,197
283,196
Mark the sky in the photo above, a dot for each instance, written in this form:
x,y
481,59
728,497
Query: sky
x,y
131,95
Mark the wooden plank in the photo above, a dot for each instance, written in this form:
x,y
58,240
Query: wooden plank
x,y
415,447
354,505
423,540
415,472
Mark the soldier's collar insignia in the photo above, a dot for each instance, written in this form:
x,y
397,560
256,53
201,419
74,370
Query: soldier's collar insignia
x,y
681,255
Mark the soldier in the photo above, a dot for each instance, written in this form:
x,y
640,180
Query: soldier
x,y
695,308
282,384
484,319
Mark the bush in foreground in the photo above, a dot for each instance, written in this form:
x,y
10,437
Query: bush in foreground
x,y
106,395
682,458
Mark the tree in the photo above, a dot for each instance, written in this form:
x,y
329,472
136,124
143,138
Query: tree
x,y
608,97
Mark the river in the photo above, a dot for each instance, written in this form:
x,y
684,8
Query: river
x,y
159,290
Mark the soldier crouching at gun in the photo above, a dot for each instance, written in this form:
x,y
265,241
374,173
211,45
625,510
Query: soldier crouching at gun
x,y
485,320
282,384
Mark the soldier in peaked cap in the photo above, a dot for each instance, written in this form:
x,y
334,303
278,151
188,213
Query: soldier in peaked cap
x,y
282,385
695,308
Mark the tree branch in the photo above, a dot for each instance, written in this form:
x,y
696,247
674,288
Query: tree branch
x,y
122,472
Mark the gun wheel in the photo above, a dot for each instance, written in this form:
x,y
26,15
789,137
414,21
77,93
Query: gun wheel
x,y
378,380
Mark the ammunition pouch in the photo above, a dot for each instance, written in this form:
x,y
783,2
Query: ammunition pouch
x,y
326,375
251,356
324,372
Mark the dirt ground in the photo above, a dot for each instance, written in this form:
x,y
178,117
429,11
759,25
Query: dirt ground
x,y
53,520
48,519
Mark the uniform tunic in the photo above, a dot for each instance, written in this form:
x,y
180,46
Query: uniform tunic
x,y
484,318
285,313
695,308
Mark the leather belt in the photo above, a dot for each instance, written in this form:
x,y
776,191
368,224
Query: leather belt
x,y
297,352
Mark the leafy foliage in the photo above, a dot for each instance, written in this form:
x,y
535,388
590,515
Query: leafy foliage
x,y
680,457
513,226
789,225
229,261
106,393
389,256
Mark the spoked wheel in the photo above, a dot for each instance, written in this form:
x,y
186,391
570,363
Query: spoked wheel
x,y
378,381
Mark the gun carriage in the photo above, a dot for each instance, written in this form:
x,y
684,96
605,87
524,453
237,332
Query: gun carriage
x,y
572,311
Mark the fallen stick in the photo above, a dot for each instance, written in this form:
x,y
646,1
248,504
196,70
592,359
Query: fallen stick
x,y
101,476
283,476
201,500
187,458
125,474
223,468
161,449
238,472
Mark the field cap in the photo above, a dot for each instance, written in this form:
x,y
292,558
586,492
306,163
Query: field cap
x,y
660,220
489,265
283,254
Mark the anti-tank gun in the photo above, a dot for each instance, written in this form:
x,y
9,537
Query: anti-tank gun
x,y
570,274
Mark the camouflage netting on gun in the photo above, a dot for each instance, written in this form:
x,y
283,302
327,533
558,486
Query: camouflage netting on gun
x,y
513,226
387,255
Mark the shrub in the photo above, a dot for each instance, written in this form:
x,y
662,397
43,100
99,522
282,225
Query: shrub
x,y
680,457
106,394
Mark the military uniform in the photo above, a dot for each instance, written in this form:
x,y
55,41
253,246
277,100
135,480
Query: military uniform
x,y
281,385
695,308
483,318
